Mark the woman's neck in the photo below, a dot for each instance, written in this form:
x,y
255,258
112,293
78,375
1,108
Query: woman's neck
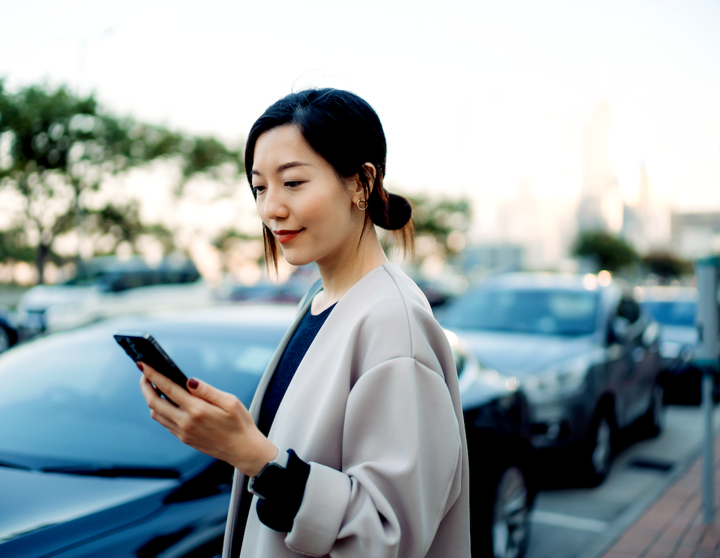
x,y
339,274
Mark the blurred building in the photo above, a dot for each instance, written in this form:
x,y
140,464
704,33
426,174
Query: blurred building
x,y
601,204
694,235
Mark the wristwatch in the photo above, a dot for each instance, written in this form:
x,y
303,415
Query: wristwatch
x,y
272,479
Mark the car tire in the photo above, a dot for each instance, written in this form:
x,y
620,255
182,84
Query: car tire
x,y
653,421
597,452
4,339
501,528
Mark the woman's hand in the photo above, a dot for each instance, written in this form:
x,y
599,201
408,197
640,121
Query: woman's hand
x,y
211,421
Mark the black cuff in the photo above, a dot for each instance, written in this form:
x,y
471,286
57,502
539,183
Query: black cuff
x,y
280,506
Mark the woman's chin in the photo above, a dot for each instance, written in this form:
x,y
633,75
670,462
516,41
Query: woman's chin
x,y
293,258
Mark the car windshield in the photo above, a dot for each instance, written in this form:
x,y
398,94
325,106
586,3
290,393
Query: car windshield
x,y
74,398
672,312
542,311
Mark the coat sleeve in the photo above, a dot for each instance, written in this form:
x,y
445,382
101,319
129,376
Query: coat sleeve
x,y
402,456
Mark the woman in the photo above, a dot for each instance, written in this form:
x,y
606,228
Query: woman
x,y
354,444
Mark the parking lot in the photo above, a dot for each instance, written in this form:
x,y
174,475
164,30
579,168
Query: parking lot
x,y
573,522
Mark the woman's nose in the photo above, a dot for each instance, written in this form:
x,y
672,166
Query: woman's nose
x,y
274,206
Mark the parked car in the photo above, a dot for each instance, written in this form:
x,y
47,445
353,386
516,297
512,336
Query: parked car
x,y
8,329
110,286
586,356
503,483
85,471
675,309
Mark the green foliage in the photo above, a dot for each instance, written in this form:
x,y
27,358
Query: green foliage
x,y
14,246
58,145
439,217
612,252
667,265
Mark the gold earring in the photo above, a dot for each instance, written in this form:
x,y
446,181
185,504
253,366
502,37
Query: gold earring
x,y
364,205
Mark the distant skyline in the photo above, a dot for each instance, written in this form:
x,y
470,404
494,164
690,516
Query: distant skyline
x,y
476,97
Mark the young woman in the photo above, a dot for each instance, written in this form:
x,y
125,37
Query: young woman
x,y
354,445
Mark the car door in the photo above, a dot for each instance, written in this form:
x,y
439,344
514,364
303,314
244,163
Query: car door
x,y
637,390
618,364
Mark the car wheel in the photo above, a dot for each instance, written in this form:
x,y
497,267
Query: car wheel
x,y
501,524
653,421
597,455
4,339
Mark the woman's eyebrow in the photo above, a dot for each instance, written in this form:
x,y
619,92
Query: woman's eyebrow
x,y
284,167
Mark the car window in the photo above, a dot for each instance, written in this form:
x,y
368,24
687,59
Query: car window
x,y
674,313
75,397
543,311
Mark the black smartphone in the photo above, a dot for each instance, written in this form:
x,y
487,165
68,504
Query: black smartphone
x,y
141,346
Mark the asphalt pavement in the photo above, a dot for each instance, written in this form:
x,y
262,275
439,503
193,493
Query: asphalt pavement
x,y
571,521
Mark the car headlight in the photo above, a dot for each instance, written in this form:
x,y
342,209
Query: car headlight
x,y
562,378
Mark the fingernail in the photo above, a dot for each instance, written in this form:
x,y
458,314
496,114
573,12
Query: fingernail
x,y
140,366
193,383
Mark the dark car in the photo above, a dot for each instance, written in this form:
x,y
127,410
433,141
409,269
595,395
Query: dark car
x,y
675,309
584,351
8,329
503,483
85,471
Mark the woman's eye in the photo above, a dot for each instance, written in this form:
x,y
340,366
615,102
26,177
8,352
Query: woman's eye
x,y
258,189
293,183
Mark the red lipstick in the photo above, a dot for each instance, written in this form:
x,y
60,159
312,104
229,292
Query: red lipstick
x,y
285,236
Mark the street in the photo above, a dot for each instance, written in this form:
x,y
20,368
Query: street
x,y
570,522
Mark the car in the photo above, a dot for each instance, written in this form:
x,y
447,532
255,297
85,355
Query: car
x,y
675,308
109,286
8,329
584,351
85,471
503,480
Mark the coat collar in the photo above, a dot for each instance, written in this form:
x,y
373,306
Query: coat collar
x,y
275,360
302,308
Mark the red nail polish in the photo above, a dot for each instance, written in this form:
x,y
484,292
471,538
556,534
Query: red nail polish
x,y
140,366
193,383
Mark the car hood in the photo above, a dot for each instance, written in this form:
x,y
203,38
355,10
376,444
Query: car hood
x,y
43,296
520,354
33,501
678,334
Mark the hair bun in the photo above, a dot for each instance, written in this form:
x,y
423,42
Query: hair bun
x,y
398,212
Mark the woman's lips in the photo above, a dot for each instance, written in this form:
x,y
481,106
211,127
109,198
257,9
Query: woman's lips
x,y
286,236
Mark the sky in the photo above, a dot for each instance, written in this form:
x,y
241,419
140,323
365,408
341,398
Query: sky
x,y
475,97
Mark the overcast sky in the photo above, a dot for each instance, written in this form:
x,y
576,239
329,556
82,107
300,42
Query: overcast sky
x,y
474,96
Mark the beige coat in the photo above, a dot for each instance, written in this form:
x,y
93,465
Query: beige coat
x,y
374,408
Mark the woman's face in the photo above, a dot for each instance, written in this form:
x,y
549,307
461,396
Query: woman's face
x,y
300,199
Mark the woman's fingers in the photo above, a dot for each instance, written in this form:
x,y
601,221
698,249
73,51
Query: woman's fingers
x,y
159,407
212,395
171,390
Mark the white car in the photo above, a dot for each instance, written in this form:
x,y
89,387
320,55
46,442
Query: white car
x,y
109,286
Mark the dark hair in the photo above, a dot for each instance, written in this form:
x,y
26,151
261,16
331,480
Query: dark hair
x,y
345,131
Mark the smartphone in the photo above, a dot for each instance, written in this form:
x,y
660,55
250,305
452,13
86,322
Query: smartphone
x,y
141,346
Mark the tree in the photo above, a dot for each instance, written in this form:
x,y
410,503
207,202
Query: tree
x,y
445,220
667,265
55,146
612,252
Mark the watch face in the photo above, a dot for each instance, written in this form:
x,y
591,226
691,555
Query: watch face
x,y
268,482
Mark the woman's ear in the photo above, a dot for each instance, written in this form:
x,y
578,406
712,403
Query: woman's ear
x,y
356,185
370,173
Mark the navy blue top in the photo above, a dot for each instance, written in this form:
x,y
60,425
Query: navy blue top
x,y
276,512
294,353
